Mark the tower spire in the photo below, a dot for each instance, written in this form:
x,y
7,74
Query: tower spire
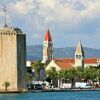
x,y
48,36
5,12
79,49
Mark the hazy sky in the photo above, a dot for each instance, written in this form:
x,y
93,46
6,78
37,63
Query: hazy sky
x,y
68,20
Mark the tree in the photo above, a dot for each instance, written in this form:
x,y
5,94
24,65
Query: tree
x,y
37,66
29,77
52,73
87,74
79,71
6,84
94,75
99,76
63,74
90,73
72,74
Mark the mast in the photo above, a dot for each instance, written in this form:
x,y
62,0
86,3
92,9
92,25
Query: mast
x,y
5,12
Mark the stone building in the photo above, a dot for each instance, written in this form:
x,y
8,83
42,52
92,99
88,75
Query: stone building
x,y
12,58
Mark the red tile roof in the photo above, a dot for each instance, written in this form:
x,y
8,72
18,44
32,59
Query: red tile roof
x,y
90,60
64,65
67,63
66,60
48,36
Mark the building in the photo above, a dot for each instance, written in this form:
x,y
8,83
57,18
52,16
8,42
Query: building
x,y
12,58
69,63
47,48
79,56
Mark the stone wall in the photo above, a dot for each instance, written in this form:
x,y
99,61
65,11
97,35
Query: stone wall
x,y
12,60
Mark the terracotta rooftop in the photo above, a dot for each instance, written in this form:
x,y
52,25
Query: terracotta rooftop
x,y
72,60
90,60
66,60
48,36
67,63
64,65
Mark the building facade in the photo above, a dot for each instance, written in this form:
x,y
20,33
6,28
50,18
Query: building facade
x,y
12,59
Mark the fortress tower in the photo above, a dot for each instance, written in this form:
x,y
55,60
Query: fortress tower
x,y
47,48
12,58
79,56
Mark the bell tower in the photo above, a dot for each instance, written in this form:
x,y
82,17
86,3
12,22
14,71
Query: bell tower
x,y
47,48
79,56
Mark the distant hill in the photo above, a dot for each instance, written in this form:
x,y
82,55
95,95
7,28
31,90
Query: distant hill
x,y
34,52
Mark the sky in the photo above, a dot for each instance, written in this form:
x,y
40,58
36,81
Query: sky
x,y
69,21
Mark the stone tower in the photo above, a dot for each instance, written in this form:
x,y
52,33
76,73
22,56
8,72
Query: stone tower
x,y
47,48
79,56
12,58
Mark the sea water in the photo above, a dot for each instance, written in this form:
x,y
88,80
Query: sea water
x,y
81,95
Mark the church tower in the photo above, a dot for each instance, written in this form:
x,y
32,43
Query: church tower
x,y
79,56
47,48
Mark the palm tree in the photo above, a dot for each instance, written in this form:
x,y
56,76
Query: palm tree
x,y
90,73
37,66
72,74
94,75
87,74
62,74
6,85
52,74
79,71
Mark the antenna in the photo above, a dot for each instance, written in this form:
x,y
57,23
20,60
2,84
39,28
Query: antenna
x,y
5,11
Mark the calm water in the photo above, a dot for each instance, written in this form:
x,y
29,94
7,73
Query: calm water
x,y
85,95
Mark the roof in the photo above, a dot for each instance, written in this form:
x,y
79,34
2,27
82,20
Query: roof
x,y
48,36
67,60
64,65
90,60
67,63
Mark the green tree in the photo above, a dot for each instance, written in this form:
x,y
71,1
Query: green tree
x,y
6,84
94,75
79,71
29,77
62,75
90,73
87,74
72,74
99,76
37,66
52,74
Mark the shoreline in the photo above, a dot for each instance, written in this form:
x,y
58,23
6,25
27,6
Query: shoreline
x,y
51,90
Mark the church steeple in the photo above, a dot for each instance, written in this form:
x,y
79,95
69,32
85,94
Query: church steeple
x,y
79,49
79,55
47,48
48,36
